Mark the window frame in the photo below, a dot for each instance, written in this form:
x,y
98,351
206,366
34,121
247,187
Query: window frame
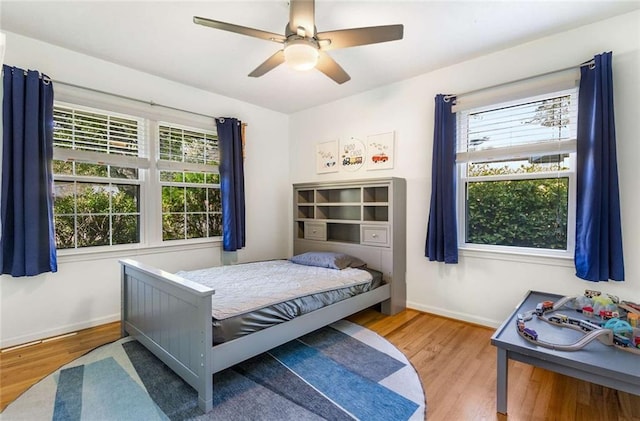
x,y
150,224
139,162
516,253
183,166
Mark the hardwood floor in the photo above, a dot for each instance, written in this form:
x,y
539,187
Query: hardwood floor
x,y
20,368
457,365
455,360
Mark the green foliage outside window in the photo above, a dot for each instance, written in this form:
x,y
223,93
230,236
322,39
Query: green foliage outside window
x,y
99,214
96,214
190,211
521,213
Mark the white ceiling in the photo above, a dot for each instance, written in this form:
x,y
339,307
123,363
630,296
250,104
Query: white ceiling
x,y
158,37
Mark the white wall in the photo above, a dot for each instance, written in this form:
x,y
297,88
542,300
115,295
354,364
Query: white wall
x,y
86,292
484,288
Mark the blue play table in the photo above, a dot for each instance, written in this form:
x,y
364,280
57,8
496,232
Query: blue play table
x,y
596,362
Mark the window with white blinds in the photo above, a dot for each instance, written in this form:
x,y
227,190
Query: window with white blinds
x,y
97,184
516,184
123,180
190,183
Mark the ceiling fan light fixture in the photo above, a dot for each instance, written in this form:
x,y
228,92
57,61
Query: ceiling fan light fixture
x,y
301,55
302,43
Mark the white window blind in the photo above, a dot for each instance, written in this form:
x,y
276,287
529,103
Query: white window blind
x,y
184,149
86,135
538,126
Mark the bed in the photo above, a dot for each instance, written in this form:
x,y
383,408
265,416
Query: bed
x,y
173,316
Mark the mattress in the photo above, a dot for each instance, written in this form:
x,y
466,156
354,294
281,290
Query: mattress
x,y
253,296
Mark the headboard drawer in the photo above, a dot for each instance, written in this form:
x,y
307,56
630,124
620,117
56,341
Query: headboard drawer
x,y
315,231
375,235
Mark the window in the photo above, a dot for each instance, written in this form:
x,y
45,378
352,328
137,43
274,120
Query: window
x,y
96,178
515,172
190,183
108,189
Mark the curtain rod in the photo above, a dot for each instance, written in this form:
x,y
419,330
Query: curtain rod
x,y
591,63
150,103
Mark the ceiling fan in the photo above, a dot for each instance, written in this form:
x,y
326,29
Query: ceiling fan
x,y
303,47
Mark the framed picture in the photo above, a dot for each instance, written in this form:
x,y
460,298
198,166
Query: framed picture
x,y
380,151
327,157
352,154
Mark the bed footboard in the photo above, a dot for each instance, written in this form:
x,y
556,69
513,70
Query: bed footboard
x,y
171,317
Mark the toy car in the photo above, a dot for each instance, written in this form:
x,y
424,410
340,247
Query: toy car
x,y
380,158
530,333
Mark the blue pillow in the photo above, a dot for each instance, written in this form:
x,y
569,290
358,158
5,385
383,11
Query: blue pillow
x,y
328,259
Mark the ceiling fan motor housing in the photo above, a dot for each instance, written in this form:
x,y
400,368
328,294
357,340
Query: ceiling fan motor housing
x,y
301,53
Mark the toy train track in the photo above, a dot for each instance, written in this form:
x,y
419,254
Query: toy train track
x,y
547,311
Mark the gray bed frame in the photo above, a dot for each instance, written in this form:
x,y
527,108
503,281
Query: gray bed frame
x,y
171,317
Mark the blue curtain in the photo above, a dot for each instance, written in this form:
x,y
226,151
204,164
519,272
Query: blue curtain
x,y
28,239
598,255
231,183
442,231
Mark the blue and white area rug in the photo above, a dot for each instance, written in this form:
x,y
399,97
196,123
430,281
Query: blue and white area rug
x,y
340,372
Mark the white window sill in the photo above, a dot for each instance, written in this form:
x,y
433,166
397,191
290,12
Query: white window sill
x,y
122,251
517,256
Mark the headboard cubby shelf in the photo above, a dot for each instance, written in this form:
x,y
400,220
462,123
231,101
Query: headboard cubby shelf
x,y
365,218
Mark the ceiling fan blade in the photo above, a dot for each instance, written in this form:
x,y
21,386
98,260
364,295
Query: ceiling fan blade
x,y
269,64
344,38
329,67
243,30
302,14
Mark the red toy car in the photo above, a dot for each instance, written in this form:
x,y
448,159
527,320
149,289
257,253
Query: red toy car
x,y
380,158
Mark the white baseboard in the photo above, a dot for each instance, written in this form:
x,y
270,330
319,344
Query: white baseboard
x,y
37,336
466,317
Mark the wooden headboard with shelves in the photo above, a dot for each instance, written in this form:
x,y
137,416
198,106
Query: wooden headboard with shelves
x,y
363,218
